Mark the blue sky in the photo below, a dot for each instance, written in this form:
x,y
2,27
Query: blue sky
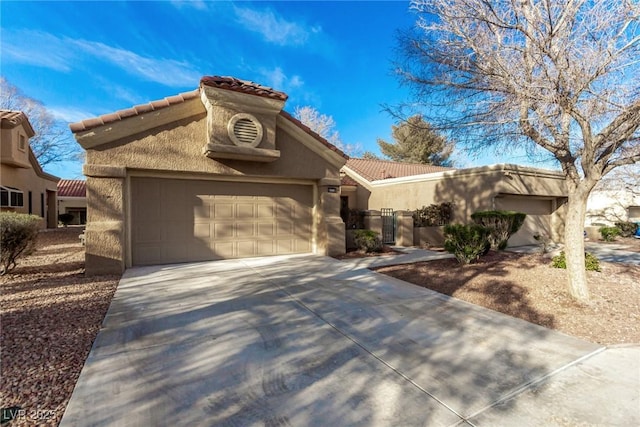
x,y
83,59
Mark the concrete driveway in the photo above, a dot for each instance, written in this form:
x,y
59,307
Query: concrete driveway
x,y
310,341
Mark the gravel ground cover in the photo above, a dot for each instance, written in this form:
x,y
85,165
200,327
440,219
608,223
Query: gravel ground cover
x,y
526,286
50,316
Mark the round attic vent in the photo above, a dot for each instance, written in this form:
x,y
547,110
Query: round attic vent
x,y
245,130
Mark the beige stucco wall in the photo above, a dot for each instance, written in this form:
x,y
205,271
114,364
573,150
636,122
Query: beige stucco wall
x,y
27,179
10,152
470,190
176,150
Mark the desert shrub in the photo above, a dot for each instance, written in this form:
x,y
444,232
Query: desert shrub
x,y
609,234
355,219
466,242
627,229
18,233
501,225
433,215
367,241
591,263
65,218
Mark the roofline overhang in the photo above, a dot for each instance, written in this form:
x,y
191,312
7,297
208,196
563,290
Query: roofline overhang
x,y
456,173
136,124
310,142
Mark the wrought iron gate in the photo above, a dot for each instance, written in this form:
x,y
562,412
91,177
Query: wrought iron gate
x,y
388,226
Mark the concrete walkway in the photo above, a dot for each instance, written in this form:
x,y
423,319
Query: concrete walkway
x,y
311,341
408,255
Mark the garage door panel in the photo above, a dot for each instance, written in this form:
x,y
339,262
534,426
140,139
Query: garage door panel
x,y
245,229
182,220
538,220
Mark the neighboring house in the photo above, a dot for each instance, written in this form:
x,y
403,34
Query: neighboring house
x,y
24,186
606,207
219,172
541,194
72,199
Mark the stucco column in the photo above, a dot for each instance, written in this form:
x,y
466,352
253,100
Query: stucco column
x,y
404,228
373,221
332,229
104,234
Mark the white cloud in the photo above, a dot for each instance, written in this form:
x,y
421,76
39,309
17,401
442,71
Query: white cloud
x,y
62,53
70,114
277,79
195,4
165,71
38,49
274,28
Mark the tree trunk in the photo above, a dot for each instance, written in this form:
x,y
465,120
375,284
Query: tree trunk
x,y
574,244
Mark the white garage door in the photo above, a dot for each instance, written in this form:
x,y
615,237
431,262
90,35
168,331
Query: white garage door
x,y
177,220
538,220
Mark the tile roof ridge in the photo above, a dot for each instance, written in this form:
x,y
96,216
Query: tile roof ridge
x,y
136,110
244,86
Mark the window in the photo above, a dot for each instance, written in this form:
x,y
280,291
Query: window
x,y
11,197
30,203
22,142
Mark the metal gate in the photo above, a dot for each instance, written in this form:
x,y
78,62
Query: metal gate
x,y
388,226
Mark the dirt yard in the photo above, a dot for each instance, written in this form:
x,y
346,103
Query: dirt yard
x,y
526,286
50,316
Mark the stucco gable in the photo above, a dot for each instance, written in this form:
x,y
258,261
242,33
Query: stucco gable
x,y
220,99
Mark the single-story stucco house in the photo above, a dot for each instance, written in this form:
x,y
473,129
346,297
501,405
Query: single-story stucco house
x,y
606,206
24,186
218,172
72,199
541,194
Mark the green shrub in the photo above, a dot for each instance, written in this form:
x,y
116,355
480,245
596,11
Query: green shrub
x,y
433,215
18,233
501,225
466,242
627,229
65,218
609,234
367,241
591,263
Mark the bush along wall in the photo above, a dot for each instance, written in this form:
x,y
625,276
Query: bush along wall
x,y
466,242
501,225
367,241
627,229
433,215
18,233
609,234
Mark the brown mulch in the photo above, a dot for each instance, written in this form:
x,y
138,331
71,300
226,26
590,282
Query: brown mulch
x,y
526,286
50,317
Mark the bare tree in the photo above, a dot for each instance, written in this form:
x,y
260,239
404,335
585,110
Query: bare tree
x,y
324,126
561,75
417,142
52,142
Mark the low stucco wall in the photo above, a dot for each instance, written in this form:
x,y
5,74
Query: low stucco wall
x,y
428,236
470,190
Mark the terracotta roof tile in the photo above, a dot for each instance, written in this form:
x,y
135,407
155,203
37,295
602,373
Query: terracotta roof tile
x,y
347,180
89,124
374,170
13,118
308,130
72,188
244,86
